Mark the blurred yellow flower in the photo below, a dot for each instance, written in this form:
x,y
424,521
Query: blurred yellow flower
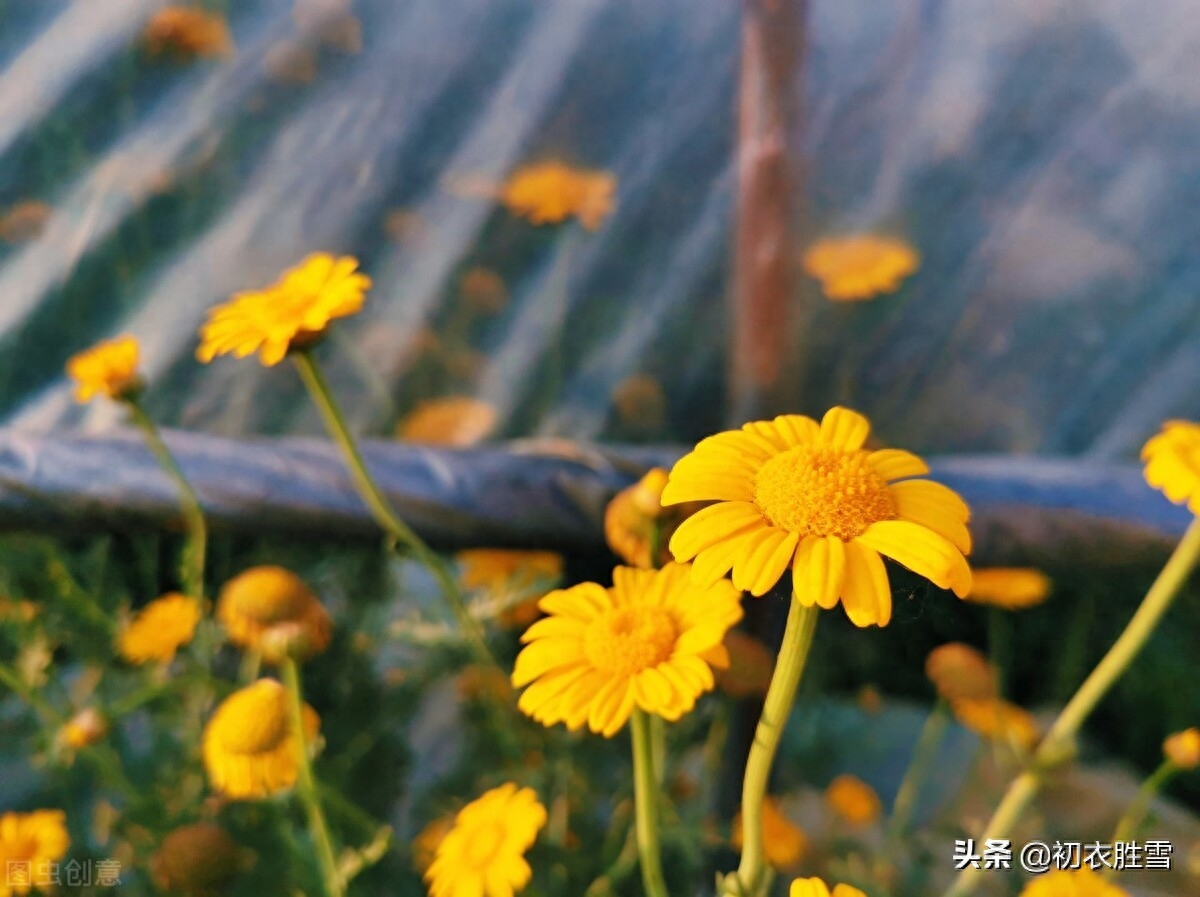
x,y
28,842
631,517
198,860
84,728
1183,748
250,748
291,313
997,720
861,266
551,192
484,854
188,32
1173,463
784,842
815,887
853,800
503,569
1082,882
457,421
751,665
1011,588
425,844
271,610
159,629
109,369
959,671
650,641
795,493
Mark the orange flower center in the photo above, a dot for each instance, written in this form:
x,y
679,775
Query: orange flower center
x,y
629,640
483,843
822,491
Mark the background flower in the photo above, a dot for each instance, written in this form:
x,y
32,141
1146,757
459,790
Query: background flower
x,y
160,629
109,369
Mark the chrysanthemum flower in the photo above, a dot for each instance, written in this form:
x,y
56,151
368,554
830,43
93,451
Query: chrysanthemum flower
x,y
457,421
188,32
271,610
860,267
853,800
199,860
784,842
108,369
293,312
815,887
1010,588
648,642
551,192
958,671
484,854
1173,463
250,747
633,515
160,629
28,843
1082,882
998,720
1183,748
792,493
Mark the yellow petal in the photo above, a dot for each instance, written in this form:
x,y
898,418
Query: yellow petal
x,y
844,429
819,570
866,593
921,550
935,506
764,560
712,525
893,464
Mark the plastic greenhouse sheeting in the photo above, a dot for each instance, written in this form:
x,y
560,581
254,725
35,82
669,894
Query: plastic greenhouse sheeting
x,y
1040,155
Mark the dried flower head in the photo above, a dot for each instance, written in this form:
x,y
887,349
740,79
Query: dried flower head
x,y
1173,463
109,369
159,629
271,610
861,266
198,860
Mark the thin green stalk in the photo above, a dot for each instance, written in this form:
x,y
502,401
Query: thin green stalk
x,y
1061,735
306,786
918,770
645,796
193,513
1132,818
753,875
379,506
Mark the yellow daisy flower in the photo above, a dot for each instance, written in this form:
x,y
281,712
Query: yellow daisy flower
x,y
484,854
159,629
198,859
649,642
815,887
1183,748
271,610
28,842
784,842
861,266
792,493
1010,588
998,720
1082,882
250,748
1173,463
551,192
853,800
108,369
958,671
293,312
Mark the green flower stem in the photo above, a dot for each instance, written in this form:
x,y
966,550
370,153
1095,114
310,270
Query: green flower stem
x,y
193,514
396,528
918,770
306,786
645,795
1058,740
752,874
1131,820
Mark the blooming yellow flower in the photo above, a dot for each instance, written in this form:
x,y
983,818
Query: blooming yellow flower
x,y
188,32
1011,588
649,642
853,800
997,720
959,671
1173,463
633,515
292,312
794,493
551,192
84,728
28,842
159,629
199,860
861,266
1183,748
484,854
1082,882
815,887
270,610
457,421
109,369
784,842
250,748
